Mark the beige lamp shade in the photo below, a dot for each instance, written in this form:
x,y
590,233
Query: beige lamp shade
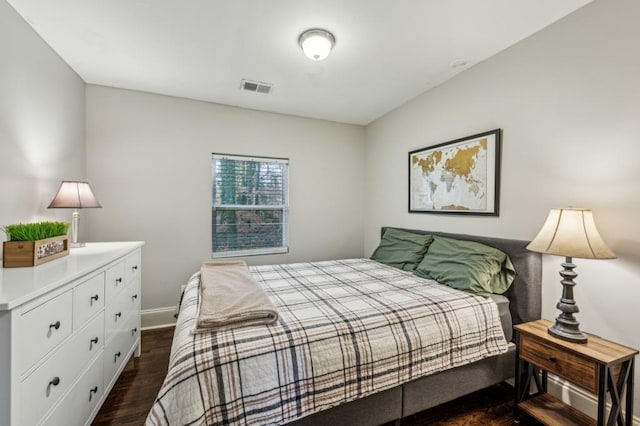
x,y
571,232
74,195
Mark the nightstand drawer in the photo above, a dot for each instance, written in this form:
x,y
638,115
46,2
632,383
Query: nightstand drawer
x,y
572,367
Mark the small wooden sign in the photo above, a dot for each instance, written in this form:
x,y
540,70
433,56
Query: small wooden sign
x,y
17,254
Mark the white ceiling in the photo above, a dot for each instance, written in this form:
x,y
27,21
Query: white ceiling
x,y
387,51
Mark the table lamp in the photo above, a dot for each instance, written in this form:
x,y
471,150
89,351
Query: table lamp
x,y
571,233
74,195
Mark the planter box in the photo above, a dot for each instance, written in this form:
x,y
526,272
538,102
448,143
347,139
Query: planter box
x,y
32,253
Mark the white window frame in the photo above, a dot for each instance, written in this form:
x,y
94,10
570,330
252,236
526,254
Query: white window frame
x,y
284,207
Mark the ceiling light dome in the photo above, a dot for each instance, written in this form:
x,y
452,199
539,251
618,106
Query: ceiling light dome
x,y
316,43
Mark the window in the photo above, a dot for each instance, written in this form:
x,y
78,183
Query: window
x,y
250,205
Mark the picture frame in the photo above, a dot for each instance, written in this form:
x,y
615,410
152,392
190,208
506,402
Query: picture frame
x,y
461,176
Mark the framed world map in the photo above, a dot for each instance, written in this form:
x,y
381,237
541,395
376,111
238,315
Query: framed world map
x,y
457,177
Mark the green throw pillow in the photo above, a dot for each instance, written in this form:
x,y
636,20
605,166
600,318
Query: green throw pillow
x,y
467,265
401,249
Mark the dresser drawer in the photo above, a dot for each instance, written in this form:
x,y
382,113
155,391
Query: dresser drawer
x,y
48,382
88,299
43,328
116,352
89,341
133,298
133,267
76,407
117,312
132,328
114,281
572,367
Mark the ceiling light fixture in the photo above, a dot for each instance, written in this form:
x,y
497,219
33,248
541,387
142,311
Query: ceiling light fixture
x,y
316,43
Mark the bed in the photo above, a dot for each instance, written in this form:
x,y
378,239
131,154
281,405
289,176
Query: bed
x,y
287,373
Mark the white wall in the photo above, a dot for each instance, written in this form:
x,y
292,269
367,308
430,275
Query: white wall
x,y
41,123
568,100
149,163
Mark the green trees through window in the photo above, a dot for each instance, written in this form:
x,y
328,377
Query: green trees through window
x,y
250,205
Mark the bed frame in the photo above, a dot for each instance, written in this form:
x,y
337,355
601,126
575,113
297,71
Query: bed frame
x,y
401,401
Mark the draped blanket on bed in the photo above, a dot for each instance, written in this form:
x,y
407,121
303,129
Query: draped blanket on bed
x,y
231,298
346,329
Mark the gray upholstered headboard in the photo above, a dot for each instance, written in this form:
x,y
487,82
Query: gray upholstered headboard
x,y
525,294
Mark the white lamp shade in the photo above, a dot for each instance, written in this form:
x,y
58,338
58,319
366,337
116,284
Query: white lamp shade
x,y
316,44
74,195
571,233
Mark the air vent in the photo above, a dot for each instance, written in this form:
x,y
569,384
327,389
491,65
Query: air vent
x,y
256,86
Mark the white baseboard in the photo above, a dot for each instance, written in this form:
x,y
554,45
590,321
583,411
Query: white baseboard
x,y
577,398
158,318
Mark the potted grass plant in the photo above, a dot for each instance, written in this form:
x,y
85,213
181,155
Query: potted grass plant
x,y
30,244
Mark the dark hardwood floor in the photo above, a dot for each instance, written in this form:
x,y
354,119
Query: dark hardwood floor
x,y
136,389
491,407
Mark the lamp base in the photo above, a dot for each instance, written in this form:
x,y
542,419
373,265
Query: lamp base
x,y
77,245
567,329
566,326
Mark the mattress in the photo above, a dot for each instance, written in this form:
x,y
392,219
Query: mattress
x,y
505,315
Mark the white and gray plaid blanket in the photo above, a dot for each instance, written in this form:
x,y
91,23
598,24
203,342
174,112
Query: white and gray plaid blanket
x,y
347,329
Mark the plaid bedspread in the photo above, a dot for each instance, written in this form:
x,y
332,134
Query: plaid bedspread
x,y
347,329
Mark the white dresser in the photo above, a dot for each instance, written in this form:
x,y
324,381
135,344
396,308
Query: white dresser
x,y
67,329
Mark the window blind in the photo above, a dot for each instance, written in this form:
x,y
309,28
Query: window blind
x,y
250,205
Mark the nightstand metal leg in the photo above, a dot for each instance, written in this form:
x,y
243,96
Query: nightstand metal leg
x,y
616,389
543,387
602,394
518,384
629,405
524,381
526,385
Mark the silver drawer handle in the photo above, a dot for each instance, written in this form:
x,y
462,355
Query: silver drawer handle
x,y
92,392
56,325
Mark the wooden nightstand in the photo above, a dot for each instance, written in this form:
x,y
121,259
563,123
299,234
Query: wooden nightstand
x,y
598,366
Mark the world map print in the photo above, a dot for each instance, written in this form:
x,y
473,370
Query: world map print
x,y
451,178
